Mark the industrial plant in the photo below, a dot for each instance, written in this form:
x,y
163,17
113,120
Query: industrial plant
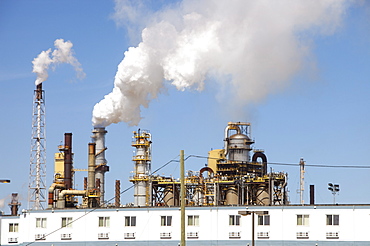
x,y
235,199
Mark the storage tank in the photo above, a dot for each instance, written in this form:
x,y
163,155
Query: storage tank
x,y
169,198
231,196
262,195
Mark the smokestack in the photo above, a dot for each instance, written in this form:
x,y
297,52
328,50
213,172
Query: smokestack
x,y
100,162
312,194
39,91
68,160
91,167
14,204
118,194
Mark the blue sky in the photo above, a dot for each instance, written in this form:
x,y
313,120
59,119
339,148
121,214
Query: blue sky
x,y
321,114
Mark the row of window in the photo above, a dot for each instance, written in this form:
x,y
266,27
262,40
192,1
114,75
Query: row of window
x,y
304,219
193,220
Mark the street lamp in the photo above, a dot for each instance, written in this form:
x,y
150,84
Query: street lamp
x,y
334,188
244,213
5,181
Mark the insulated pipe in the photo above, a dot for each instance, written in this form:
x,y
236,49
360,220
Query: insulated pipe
x,y
261,155
51,193
68,160
91,167
61,201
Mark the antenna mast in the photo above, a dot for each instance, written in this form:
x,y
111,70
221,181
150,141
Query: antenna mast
x,y
37,178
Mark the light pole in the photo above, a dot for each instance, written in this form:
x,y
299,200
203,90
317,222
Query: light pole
x,y
334,188
247,212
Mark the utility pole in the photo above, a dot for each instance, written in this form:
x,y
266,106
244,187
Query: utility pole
x,y
182,191
37,177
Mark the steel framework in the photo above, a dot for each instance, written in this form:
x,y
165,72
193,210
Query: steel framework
x,y
37,177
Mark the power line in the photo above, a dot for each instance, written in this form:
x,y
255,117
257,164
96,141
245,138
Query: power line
x,y
291,164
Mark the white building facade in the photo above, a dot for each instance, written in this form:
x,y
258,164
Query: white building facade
x,y
273,225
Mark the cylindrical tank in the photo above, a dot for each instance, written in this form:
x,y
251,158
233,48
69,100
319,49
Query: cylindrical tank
x,y
262,195
238,147
198,197
140,193
231,196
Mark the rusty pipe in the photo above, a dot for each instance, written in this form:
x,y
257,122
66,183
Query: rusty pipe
x,y
68,160
91,167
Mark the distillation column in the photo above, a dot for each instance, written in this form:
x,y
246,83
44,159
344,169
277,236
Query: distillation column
x,y
142,159
100,162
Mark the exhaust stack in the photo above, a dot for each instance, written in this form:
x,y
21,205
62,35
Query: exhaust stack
x,y
100,162
14,204
68,161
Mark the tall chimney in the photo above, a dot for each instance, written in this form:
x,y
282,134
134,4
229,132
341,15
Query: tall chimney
x,y
100,162
68,160
312,194
14,204
91,167
118,194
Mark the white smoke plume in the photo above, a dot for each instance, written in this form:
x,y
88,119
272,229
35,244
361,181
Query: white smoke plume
x,y
62,53
251,48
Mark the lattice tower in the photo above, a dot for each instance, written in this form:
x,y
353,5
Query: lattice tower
x,y
37,177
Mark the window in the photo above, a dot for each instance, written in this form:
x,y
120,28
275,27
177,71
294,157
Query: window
x,y
40,222
13,227
166,220
103,221
264,219
303,219
130,221
67,222
234,220
193,220
332,219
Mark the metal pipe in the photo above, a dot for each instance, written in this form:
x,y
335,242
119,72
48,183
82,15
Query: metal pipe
x,y
63,193
51,193
91,167
68,160
118,194
312,194
253,228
